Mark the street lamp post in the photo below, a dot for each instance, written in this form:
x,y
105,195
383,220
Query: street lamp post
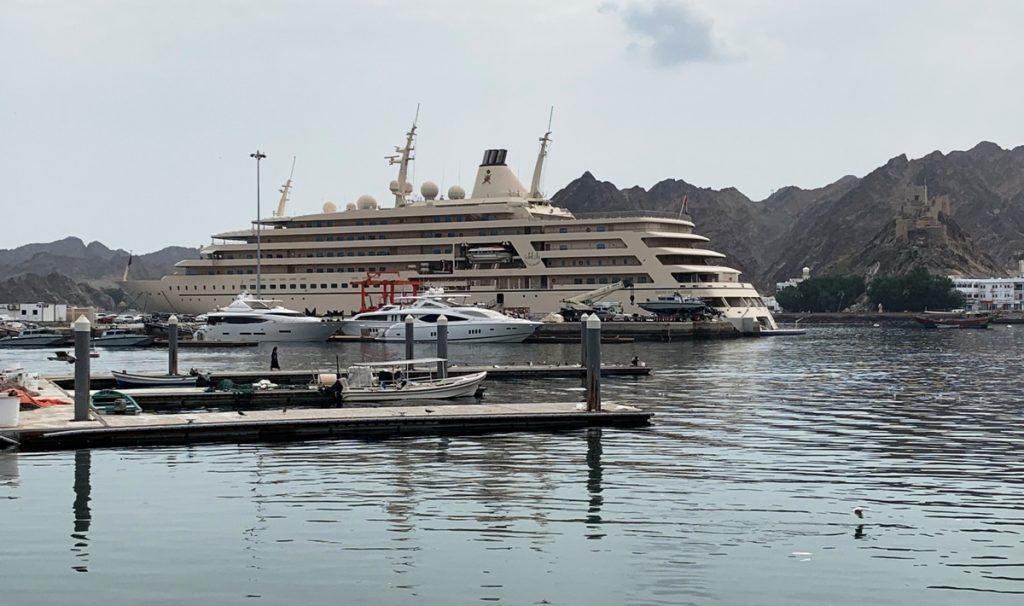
x,y
259,156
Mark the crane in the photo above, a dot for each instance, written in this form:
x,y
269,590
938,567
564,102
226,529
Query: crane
x,y
574,307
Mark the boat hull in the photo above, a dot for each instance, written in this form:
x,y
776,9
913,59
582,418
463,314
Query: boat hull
x,y
32,341
497,332
123,341
940,322
309,332
440,389
126,380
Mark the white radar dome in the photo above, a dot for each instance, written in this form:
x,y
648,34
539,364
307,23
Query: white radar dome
x,y
455,192
350,206
366,202
429,190
330,207
393,186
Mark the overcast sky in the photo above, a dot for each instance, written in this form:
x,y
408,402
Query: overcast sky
x,y
131,122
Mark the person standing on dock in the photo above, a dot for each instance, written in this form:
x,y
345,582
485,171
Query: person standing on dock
x,y
274,364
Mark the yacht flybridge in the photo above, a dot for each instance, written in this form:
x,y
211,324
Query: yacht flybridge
x,y
505,245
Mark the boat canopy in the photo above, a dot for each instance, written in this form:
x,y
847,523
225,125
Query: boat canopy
x,y
412,362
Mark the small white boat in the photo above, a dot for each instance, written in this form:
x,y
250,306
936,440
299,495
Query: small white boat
x,y
127,380
118,337
401,380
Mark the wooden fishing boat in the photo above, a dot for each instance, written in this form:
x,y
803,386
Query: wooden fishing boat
x,y
953,319
401,380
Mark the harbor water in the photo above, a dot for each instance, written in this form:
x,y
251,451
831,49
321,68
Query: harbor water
x,y
741,492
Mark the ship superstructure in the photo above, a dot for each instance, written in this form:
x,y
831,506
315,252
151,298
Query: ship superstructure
x,y
506,246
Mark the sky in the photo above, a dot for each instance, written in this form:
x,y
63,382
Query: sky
x,y
132,122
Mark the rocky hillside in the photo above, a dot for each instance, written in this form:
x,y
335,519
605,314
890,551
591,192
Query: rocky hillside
x,y
91,262
847,225
53,288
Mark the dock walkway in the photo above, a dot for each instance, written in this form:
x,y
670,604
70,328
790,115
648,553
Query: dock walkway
x,y
53,428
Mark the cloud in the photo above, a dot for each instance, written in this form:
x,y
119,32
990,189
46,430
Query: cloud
x,y
668,32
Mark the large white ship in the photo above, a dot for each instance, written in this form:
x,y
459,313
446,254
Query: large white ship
x,y
506,246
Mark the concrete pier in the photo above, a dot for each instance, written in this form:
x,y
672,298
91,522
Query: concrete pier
x,y
53,428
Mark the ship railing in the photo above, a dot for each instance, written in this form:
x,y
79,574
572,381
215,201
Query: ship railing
x,y
631,214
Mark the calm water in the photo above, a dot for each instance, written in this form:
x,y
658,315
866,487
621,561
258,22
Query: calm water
x,y
740,493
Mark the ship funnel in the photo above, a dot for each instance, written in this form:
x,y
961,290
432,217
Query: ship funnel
x,y
494,157
494,179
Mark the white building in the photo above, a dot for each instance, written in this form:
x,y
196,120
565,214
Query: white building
x,y
771,302
991,293
36,312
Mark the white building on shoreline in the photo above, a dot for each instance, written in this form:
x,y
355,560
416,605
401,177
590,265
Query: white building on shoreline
x,y
989,294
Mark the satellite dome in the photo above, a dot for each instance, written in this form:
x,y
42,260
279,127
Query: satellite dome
x,y
350,206
393,186
330,207
429,190
366,202
807,272
455,192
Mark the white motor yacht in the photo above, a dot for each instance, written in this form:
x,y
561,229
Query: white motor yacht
x,y
465,323
250,319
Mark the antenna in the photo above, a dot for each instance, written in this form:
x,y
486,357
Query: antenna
x,y
402,158
538,169
285,189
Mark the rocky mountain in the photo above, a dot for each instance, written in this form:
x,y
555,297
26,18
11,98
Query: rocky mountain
x,y
91,262
53,288
849,226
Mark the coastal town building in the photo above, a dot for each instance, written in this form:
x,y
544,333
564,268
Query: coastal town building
x,y
990,294
35,312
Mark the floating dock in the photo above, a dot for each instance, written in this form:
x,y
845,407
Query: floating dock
x,y
53,428
304,377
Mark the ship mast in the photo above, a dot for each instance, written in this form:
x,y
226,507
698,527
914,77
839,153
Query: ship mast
x,y
285,190
403,162
539,168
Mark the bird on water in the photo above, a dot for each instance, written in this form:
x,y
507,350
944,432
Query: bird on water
x,y
859,512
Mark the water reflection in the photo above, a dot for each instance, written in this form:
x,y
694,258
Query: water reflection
x,y
8,467
81,510
595,473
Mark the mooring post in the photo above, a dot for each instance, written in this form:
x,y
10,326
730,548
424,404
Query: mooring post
x,y
442,346
583,348
593,347
83,335
172,345
409,337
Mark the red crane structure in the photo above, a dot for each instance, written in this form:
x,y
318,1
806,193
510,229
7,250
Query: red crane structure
x,y
388,289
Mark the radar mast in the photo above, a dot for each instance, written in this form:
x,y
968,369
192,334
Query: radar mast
x,y
539,168
402,159
285,190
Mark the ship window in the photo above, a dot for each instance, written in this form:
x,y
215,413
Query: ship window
x,y
273,287
334,286
563,247
735,302
577,281
437,251
590,280
602,280
600,246
309,270
563,230
319,270
324,286
291,286
602,228
458,219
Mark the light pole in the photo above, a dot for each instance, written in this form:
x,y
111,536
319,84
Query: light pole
x,y
259,156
